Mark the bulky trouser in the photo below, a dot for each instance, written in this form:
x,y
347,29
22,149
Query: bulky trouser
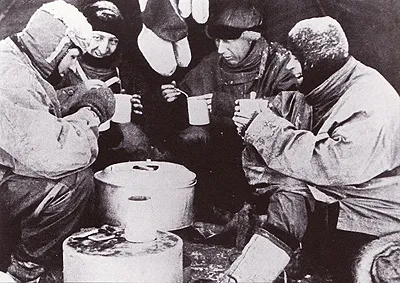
x,y
288,212
42,230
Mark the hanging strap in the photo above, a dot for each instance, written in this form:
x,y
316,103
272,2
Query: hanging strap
x,y
263,63
120,81
53,192
112,81
81,72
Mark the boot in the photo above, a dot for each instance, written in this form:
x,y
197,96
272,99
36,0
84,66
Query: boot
x,y
262,260
24,271
5,277
8,278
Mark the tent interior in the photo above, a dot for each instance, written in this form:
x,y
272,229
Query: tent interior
x,y
372,28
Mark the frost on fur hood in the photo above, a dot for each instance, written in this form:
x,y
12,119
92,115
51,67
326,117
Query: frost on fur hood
x,y
51,30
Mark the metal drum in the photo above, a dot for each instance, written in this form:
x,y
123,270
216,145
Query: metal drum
x,y
170,186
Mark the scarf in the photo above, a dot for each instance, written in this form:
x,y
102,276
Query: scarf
x,y
108,62
246,70
325,96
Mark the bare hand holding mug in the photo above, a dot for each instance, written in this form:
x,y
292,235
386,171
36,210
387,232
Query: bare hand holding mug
x,y
137,106
170,92
245,112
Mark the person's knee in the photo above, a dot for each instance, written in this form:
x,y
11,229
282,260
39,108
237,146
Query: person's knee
x,y
289,212
79,187
85,181
293,202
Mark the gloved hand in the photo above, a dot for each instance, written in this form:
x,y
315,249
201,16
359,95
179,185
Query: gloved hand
x,y
100,100
195,134
69,96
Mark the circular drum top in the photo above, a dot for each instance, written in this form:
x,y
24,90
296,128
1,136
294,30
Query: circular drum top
x,y
118,246
145,174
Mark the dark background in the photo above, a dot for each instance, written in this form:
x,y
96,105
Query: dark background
x,y
372,27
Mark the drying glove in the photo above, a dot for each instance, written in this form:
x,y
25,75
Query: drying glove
x,y
163,38
200,11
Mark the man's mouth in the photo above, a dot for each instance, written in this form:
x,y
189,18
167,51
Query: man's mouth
x,y
228,59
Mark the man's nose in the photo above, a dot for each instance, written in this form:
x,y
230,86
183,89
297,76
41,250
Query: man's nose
x,y
293,64
103,46
221,47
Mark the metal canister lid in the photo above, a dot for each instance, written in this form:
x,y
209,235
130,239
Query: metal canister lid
x,y
147,174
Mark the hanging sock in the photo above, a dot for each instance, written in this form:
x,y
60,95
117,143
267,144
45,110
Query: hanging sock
x,y
182,52
200,11
158,52
262,260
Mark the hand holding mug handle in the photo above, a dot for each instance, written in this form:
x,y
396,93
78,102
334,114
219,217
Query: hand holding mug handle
x,y
137,106
208,98
170,92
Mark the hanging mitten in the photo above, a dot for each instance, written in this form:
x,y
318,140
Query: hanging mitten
x,y
142,5
162,17
182,52
200,10
162,25
185,8
158,52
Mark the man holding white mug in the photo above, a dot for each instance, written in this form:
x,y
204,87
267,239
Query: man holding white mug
x,y
120,138
244,62
348,158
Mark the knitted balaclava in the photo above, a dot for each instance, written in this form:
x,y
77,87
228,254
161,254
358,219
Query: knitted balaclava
x,y
236,20
105,16
322,48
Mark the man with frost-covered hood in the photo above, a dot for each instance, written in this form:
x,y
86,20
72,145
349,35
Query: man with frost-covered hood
x,y
45,182
349,158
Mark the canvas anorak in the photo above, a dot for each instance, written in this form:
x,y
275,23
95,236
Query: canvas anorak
x,y
350,155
